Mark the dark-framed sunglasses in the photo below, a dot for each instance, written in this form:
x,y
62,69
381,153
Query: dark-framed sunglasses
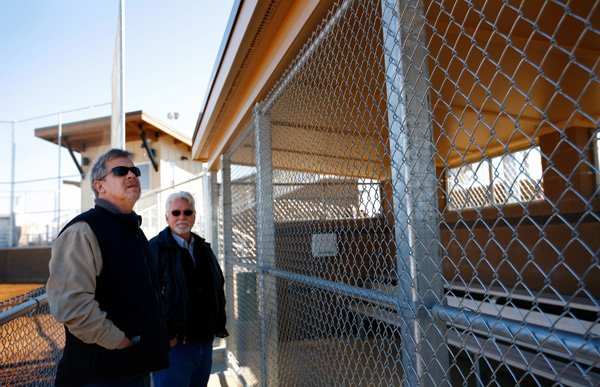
x,y
123,171
176,213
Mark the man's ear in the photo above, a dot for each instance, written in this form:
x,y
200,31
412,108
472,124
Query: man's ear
x,y
167,218
99,186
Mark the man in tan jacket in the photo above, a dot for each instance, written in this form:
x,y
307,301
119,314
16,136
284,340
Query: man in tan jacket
x,y
100,289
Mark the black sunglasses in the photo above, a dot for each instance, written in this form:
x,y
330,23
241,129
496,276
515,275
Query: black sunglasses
x,y
123,171
176,213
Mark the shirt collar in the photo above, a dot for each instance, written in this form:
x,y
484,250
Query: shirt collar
x,y
182,243
107,206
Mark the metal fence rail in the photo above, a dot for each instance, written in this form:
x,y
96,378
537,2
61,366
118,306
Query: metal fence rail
x,y
31,341
19,299
416,201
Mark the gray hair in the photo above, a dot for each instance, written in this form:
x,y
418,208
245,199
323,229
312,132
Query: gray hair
x,y
99,170
180,195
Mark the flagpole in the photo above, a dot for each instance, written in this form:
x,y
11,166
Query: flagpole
x,y
122,77
59,142
118,109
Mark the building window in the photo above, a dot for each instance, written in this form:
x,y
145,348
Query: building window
x,y
370,198
514,177
145,177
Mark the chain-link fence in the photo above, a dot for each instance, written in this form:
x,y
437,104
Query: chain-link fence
x,y
31,341
416,201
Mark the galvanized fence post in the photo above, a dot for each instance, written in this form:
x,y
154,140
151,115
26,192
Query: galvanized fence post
x,y
425,356
211,200
227,252
265,247
227,214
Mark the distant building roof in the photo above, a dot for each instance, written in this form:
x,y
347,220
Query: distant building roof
x,y
96,132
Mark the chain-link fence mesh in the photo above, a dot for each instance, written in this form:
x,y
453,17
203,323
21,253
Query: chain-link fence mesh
x,y
31,341
11,302
416,201
239,245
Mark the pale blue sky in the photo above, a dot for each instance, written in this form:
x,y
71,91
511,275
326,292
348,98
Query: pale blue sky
x,y
57,55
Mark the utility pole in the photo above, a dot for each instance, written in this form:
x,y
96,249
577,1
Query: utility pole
x,y
11,227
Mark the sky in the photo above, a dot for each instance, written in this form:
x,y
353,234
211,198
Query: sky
x,y
57,56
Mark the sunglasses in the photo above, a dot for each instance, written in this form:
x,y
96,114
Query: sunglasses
x,y
176,213
123,171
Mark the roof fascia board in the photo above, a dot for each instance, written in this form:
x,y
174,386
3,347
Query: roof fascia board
x,y
297,19
165,129
49,131
271,65
219,60
228,60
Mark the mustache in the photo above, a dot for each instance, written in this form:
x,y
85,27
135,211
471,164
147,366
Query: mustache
x,y
134,184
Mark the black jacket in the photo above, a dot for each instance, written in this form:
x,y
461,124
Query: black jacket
x,y
124,291
169,266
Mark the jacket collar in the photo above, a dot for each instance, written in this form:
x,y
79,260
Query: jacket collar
x,y
165,238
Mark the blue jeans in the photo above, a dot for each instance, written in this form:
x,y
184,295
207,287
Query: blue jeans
x,y
189,365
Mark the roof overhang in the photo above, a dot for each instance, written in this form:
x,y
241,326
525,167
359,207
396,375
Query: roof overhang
x,y
78,136
264,39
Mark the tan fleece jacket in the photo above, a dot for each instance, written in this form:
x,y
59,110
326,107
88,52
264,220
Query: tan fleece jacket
x,y
75,263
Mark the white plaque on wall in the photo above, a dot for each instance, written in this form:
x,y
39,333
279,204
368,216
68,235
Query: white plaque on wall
x,y
324,245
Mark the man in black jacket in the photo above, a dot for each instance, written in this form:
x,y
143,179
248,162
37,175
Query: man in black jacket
x,y
191,286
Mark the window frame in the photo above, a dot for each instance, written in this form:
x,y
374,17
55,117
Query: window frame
x,y
495,171
149,174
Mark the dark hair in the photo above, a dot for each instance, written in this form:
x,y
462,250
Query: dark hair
x,y
99,170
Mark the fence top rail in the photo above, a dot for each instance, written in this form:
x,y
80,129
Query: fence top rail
x,y
22,309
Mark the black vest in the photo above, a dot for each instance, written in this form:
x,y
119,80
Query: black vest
x,y
124,290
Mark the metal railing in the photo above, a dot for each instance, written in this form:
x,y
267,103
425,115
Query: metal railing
x,y
416,201
31,341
